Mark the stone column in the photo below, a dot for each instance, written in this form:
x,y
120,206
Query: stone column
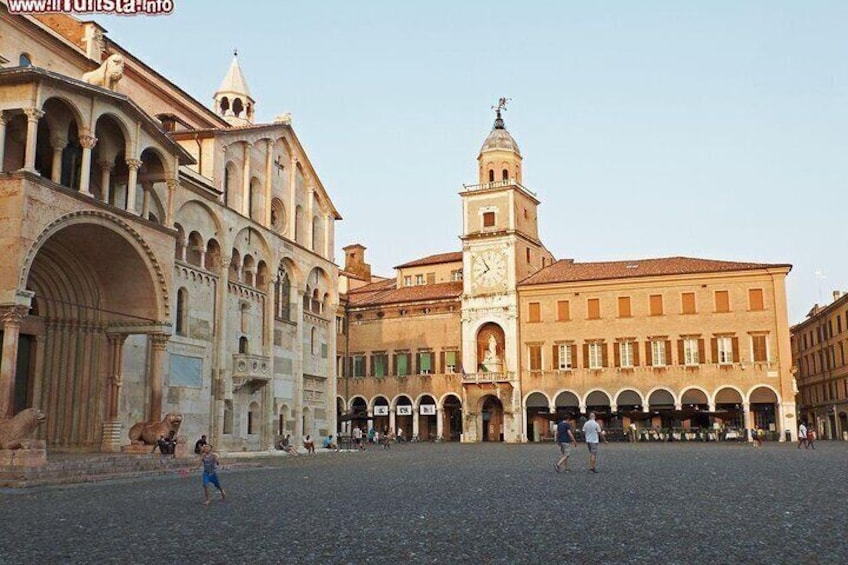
x,y
173,185
58,144
328,246
392,420
145,200
297,369
269,176
292,199
105,180
220,359
415,417
3,122
440,423
245,181
11,317
88,142
310,194
749,421
33,115
158,343
111,429
133,165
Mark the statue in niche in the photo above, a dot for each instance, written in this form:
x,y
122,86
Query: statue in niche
x,y
491,356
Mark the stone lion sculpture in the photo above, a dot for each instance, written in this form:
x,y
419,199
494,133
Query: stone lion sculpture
x,y
16,432
108,74
146,433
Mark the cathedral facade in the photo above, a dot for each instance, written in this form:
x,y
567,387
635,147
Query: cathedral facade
x,y
497,340
159,256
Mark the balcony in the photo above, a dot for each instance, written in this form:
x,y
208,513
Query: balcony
x,y
488,378
497,184
252,371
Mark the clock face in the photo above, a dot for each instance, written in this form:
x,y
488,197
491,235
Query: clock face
x,y
488,268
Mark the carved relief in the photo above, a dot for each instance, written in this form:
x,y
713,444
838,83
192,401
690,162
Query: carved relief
x,y
108,74
16,432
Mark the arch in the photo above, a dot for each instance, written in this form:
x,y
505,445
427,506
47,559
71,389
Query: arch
x,y
491,346
256,202
200,217
56,102
728,394
537,399
661,397
762,394
224,105
195,249
628,397
298,223
422,397
396,401
278,215
491,418
597,398
238,107
694,395
212,261
253,418
262,275
228,418
248,236
567,398
229,183
505,174
317,237
106,138
449,395
357,400
491,175
157,164
313,340
248,270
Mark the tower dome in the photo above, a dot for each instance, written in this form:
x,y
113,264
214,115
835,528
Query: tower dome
x,y
500,158
232,99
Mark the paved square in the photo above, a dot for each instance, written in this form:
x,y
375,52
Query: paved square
x,y
678,503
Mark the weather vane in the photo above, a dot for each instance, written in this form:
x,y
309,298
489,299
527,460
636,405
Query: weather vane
x,y
501,105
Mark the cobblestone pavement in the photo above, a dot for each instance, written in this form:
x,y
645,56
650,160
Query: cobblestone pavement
x,y
678,503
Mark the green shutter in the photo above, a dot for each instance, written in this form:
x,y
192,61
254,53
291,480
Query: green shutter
x,y
450,358
402,362
425,362
379,366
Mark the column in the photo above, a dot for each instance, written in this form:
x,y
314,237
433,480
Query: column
x,y
133,165
440,423
173,184
749,421
158,343
269,176
297,316
33,115
219,354
415,417
145,200
392,420
105,180
111,430
292,199
3,122
58,144
309,229
328,246
11,318
88,142
245,181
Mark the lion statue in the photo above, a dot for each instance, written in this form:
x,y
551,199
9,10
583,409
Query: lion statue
x,y
16,431
146,433
108,74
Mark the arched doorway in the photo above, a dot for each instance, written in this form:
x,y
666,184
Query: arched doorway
x,y
491,413
567,406
695,409
91,285
763,403
661,405
403,417
728,414
381,414
359,414
490,348
427,424
629,410
538,416
599,402
451,418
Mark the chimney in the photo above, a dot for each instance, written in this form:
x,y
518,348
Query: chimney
x,y
355,261
836,295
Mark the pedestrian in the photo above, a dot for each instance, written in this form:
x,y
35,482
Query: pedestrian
x,y
802,436
371,432
592,432
400,437
357,438
565,440
309,444
285,445
164,448
198,446
210,473
329,443
811,437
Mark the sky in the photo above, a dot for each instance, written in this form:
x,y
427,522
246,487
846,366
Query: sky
x,y
648,129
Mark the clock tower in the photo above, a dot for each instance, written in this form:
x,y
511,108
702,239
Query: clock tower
x,y
501,246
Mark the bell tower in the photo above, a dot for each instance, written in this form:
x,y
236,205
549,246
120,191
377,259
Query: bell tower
x,y
232,99
500,158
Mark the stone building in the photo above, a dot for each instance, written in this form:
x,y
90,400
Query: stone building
x,y
159,255
821,372
495,341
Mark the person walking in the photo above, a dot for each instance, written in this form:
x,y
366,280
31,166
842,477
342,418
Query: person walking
x,y
802,436
210,473
565,440
357,438
198,445
811,438
592,432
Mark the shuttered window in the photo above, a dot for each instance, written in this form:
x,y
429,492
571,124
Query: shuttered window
x,y
687,300
563,311
656,307
563,356
691,352
379,365
535,357
759,351
722,301
624,307
402,364
596,355
658,353
535,314
425,362
625,354
488,219
358,365
593,306
450,362
755,299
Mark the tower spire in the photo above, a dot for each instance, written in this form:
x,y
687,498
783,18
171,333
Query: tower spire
x,y
232,99
501,107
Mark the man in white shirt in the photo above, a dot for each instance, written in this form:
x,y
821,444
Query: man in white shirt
x,y
802,436
592,432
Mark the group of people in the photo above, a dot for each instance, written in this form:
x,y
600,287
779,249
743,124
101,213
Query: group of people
x,y
592,431
806,436
167,446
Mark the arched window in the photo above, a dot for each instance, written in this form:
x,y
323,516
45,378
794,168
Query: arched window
x,y
282,294
316,233
313,340
238,107
228,182
25,60
182,311
316,302
252,418
225,105
491,175
505,174
243,345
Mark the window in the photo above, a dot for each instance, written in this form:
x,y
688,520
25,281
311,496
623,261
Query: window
x,y
687,303
340,325
527,253
759,349
250,417
228,417
182,311
450,362
722,301
596,355
564,356
488,219
658,353
379,365
431,278
313,341
624,307
593,307
425,362
282,295
456,275
359,365
625,354
243,345
535,352
656,308
755,299
535,314
725,350
691,352
401,364
838,324
407,280
491,175
25,60
419,280
505,174
563,311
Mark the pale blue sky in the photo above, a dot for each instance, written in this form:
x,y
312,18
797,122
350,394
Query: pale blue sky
x,y
713,129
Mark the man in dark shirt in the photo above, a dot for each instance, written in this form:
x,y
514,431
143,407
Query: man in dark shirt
x,y
565,441
164,448
198,446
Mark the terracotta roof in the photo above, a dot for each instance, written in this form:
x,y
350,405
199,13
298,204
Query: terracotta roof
x,y
569,271
452,257
390,294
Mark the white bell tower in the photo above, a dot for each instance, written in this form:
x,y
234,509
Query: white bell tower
x,y
232,99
